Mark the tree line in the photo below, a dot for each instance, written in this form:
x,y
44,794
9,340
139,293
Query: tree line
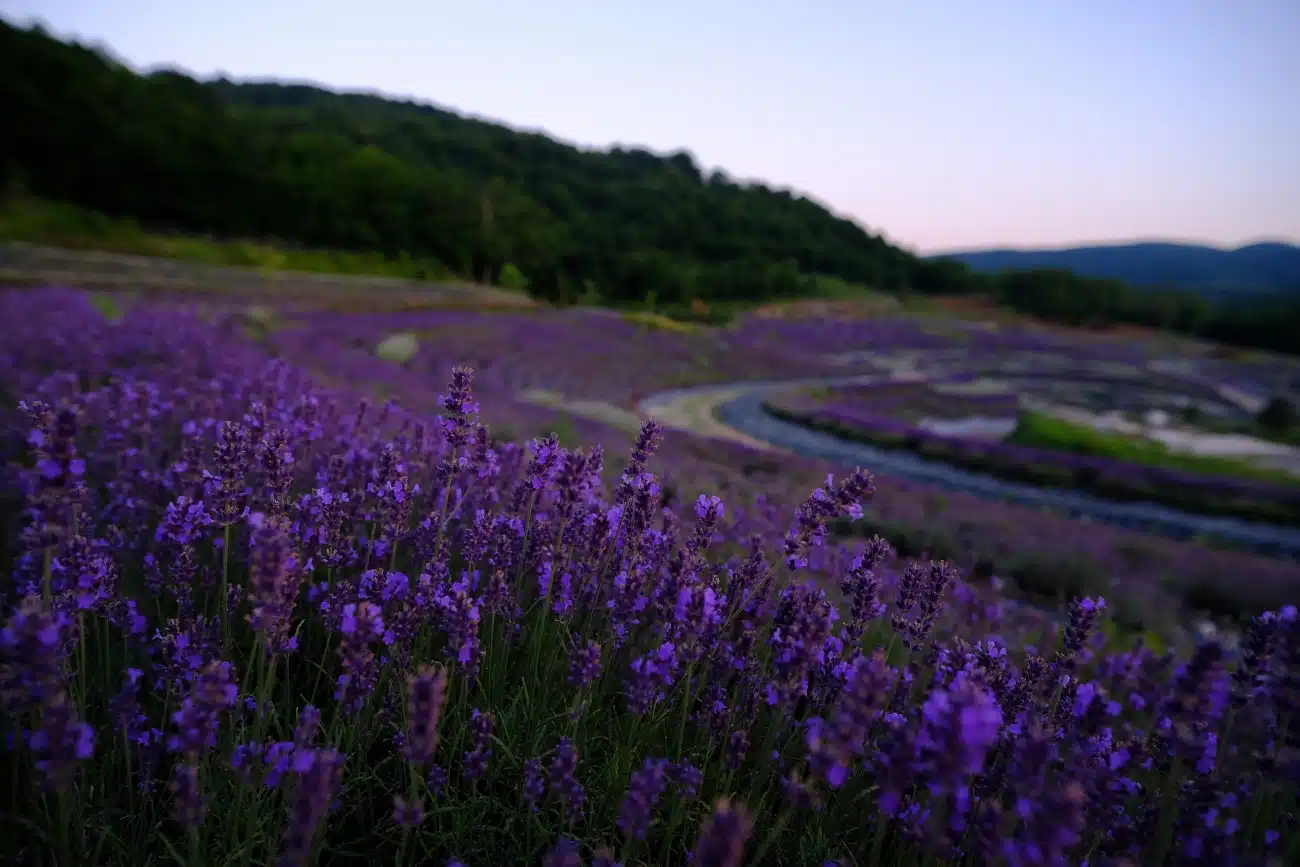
x,y
359,172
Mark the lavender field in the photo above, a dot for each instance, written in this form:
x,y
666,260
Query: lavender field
x,y
274,598
911,416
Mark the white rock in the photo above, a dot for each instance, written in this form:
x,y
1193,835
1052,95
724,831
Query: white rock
x,y
398,348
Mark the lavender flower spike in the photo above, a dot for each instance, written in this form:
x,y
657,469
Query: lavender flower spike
x,y
426,692
722,840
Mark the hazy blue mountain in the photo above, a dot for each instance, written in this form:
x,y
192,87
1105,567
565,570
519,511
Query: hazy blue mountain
x,y
1265,268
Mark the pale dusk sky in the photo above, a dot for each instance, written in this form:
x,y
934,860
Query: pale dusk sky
x,y
942,124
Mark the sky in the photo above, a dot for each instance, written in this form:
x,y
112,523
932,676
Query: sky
x,y
941,124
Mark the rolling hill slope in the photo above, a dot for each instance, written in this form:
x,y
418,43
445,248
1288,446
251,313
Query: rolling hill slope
x,y
309,167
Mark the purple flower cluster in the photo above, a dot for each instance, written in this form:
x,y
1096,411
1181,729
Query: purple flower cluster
x,y
191,508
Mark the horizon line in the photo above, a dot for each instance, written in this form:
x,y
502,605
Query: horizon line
x,y
1111,243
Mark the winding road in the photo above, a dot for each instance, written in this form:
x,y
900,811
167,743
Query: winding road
x,y
738,413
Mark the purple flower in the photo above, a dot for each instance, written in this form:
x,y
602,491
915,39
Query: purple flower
x,y
584,666
959,726
55,490
534,784
390,489
33,647
318,782
437,781
564,784
647,442
213,692
245,760
460,617
274,580
544,462
276,459
825,503
565,854
835,745
460,408
722,839
128,719
709,511
407,814
861,587
225,491
93,577
426,691
362,626
1083,616
923,588
480,734
800,630
737,749
643,792
60,743
308,725
188,804
687,778
651,675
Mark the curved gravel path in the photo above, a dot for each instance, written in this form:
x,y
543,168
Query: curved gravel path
x,y
739,408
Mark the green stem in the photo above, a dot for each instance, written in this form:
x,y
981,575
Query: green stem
x,y
196,848
686,709
47,577
781,822
223,600
65,831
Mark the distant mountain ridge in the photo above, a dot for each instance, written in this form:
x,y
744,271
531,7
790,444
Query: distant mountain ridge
x,y
1267,268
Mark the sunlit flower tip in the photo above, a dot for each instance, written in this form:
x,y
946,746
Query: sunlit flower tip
x,y
722,840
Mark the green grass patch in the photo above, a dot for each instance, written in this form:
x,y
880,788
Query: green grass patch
x,y
37,221
1049,432
398,348
107,306
567,432
659,322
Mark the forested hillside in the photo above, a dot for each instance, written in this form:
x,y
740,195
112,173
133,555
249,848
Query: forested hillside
x,y
357,172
